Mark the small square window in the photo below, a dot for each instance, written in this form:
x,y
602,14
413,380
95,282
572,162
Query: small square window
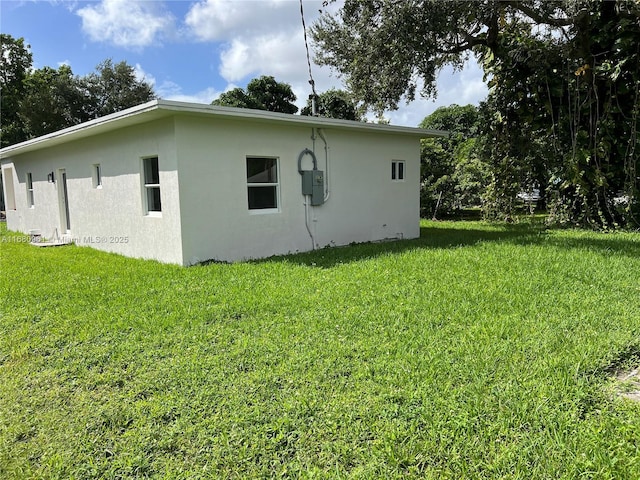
x,y
397,170
151,173
262,183
97,176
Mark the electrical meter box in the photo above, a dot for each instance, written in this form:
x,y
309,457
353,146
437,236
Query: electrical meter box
x,y
313,184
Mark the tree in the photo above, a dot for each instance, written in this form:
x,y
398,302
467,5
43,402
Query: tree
x,y
460,121
334,104
562,116
564,104
45,100
517,138
382,47
53,100
452,175
114,87
263,93
237,98
15,62
471,174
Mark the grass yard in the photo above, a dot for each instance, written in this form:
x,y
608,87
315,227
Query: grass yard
x,y
476,351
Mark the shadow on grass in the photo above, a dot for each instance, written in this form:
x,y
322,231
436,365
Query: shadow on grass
x,y
435,237
430,237
628,358
609,243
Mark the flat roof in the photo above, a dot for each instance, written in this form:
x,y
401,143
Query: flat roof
x,y
157,109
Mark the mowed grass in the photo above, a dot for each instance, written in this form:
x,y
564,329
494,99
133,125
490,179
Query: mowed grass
x,y
477,351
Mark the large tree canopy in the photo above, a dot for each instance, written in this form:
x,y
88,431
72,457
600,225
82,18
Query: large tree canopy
x,y
15,62
52,100
263,93
334,104
40,101
386,48
452,176
564,102
114,87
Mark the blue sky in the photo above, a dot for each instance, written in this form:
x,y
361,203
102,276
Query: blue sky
x,y
195,50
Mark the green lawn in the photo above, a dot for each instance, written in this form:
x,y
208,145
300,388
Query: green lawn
x,y
476,351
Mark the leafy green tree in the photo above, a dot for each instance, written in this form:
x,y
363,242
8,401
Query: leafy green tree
x,y
263,93
114,87
334,104
53,100
48,99
237,98
15,62
383,47
598,127
564,104
436,170
460,121
451,169
561,115
471,174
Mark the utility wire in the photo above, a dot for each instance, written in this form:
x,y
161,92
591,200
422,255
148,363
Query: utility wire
x,y
306,45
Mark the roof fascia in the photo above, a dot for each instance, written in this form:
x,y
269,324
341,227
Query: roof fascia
x,y
158,108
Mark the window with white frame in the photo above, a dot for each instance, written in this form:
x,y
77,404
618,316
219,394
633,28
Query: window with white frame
x,y
97,176
30,201
151,174
397,170
262,183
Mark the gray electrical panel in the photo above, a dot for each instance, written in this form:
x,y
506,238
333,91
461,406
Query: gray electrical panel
x,y
313,184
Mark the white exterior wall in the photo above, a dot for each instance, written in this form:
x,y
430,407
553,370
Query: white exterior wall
x,y
364,203
203,185
110,218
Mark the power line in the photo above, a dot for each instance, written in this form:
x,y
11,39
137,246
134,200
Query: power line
x,y
306,46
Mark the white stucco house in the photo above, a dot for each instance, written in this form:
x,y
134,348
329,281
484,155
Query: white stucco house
x,y
184,183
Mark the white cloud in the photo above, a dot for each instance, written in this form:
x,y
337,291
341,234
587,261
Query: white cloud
x,y
70,5
126,23
222,20
253,38
266,38
169,90
214,20
235,63
142,76
464,87
261,38
475,88
280,55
